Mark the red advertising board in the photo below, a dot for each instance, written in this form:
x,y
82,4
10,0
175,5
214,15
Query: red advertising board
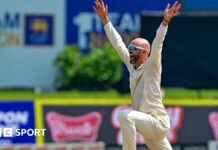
x,y
70,122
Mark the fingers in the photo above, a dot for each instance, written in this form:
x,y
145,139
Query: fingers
x,y
177,8
175,4
95,9
106,9
97,4
174,10
168,6
102,2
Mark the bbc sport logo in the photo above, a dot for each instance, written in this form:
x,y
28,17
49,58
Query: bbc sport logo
x,y
9,132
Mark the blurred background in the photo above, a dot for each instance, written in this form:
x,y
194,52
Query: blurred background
x,y
59,72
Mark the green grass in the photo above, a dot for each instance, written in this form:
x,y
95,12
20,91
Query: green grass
x,y
190,93
175,93
60,94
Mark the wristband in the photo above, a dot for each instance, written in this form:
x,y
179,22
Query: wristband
x,y
106,22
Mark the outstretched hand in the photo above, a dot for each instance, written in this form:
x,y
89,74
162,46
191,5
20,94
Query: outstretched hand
x,y
169,13
101,10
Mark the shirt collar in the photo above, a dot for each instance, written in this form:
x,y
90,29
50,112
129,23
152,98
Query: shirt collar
x,y
140,67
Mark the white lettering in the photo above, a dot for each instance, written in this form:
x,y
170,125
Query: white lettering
x,y
11,117
114,18
7,132
37,132
84,23
13,126
89,22
98,24
23,131
30,132
43,132
17,132
126,22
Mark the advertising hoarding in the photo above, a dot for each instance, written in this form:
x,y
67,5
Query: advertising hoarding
x,y
85,29
17,115
31,35
88,120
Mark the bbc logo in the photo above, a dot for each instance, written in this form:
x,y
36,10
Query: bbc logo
x,y
6,132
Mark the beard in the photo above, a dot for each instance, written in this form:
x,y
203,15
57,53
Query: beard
x,y
134,59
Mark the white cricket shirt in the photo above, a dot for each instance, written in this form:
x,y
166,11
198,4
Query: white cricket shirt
x,y
144,81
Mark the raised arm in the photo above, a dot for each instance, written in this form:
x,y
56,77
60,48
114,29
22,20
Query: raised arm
x,y
115,39
169,13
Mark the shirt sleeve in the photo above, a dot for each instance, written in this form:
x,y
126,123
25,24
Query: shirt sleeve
x,y
156,47
118,44
158,40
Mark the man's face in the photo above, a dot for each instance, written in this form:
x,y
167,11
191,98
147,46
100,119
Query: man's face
x,y
135,53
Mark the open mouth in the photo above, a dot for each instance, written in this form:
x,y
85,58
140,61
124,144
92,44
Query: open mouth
x,y
132,59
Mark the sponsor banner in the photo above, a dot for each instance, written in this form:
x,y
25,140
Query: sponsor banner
x,y
77,123
34,25
84,121
83,127
85,29
31,35
16,116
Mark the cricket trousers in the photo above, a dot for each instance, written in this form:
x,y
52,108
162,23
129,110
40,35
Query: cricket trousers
x,y
152,130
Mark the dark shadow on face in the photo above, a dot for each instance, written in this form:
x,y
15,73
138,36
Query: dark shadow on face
x,y
134,56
